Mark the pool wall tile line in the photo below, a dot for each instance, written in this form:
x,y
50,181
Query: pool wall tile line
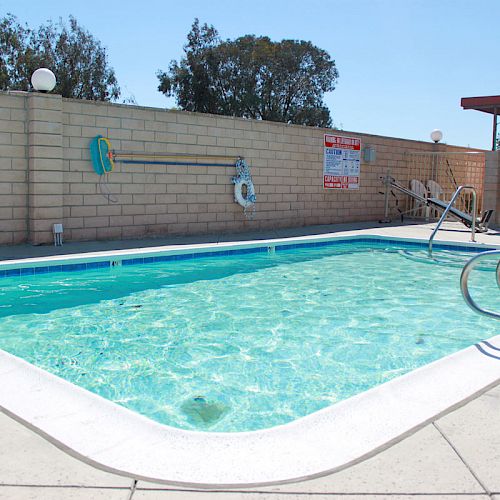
x,y
249,248
56,268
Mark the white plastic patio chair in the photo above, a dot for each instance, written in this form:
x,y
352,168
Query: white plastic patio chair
x,y
418,188
435,191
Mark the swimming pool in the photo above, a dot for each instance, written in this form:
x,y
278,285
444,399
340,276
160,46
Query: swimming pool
x,y
319,316
245,342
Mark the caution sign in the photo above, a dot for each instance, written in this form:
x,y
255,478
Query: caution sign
x,y
342,160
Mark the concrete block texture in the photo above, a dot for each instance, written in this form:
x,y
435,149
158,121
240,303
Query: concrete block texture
x,y
492,184
45,168
45,201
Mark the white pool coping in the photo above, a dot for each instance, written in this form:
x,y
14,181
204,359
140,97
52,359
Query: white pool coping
x,y
114,439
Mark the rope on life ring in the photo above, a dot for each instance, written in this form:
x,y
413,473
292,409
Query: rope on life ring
x,y
244,178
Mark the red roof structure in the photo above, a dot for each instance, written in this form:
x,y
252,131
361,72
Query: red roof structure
x,y
487,104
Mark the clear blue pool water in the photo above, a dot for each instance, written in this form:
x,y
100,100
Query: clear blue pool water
x,y
245,342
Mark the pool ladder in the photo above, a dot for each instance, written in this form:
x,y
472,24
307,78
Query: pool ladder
x,y
465,277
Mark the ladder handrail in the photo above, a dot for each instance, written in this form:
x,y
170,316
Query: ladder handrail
x,y
464,277
447,209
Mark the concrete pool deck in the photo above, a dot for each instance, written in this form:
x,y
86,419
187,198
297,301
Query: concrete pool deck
x,y
450,231
456,456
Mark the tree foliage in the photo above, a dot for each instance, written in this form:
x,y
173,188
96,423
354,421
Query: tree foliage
x,y
77,59
251,77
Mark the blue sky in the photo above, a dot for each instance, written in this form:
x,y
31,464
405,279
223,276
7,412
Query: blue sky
x,y
403,64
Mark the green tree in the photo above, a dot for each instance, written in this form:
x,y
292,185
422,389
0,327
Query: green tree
x,y
15,55
77,59
251,77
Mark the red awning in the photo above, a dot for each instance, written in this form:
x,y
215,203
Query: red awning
x,y
487,104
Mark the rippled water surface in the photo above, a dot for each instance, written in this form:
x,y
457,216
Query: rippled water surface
x,y
249,341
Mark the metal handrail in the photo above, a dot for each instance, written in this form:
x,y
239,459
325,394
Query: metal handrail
x,y
447,209
464,277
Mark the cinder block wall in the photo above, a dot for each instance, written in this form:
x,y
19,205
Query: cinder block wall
x,y
13,168
492,184
286,163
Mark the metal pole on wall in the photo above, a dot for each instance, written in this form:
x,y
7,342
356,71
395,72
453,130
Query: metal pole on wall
x,y
494,146
386,180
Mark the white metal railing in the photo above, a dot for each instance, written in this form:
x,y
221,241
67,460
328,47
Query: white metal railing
x,y
447,209
465,277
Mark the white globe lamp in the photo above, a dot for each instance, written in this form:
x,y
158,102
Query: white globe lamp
x,y
436,135
43,80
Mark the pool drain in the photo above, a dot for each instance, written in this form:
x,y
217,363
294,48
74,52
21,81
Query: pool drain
x,y
204,411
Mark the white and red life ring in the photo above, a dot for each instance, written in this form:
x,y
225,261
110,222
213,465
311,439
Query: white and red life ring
x,y
249,199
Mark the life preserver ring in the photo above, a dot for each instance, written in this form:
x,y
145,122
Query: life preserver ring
x,y
249,199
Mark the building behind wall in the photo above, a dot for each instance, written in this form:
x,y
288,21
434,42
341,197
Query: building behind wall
x,y
46,175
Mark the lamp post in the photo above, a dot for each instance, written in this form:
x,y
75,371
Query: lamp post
x,y
43,80
436,136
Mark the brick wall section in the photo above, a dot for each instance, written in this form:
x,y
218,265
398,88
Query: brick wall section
x,y
492,185
13,168
45,140
286,163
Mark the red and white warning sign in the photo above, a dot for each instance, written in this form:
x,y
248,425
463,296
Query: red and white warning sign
x,y
342,160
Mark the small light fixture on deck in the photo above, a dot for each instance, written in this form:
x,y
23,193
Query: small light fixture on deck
x,y
43,80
